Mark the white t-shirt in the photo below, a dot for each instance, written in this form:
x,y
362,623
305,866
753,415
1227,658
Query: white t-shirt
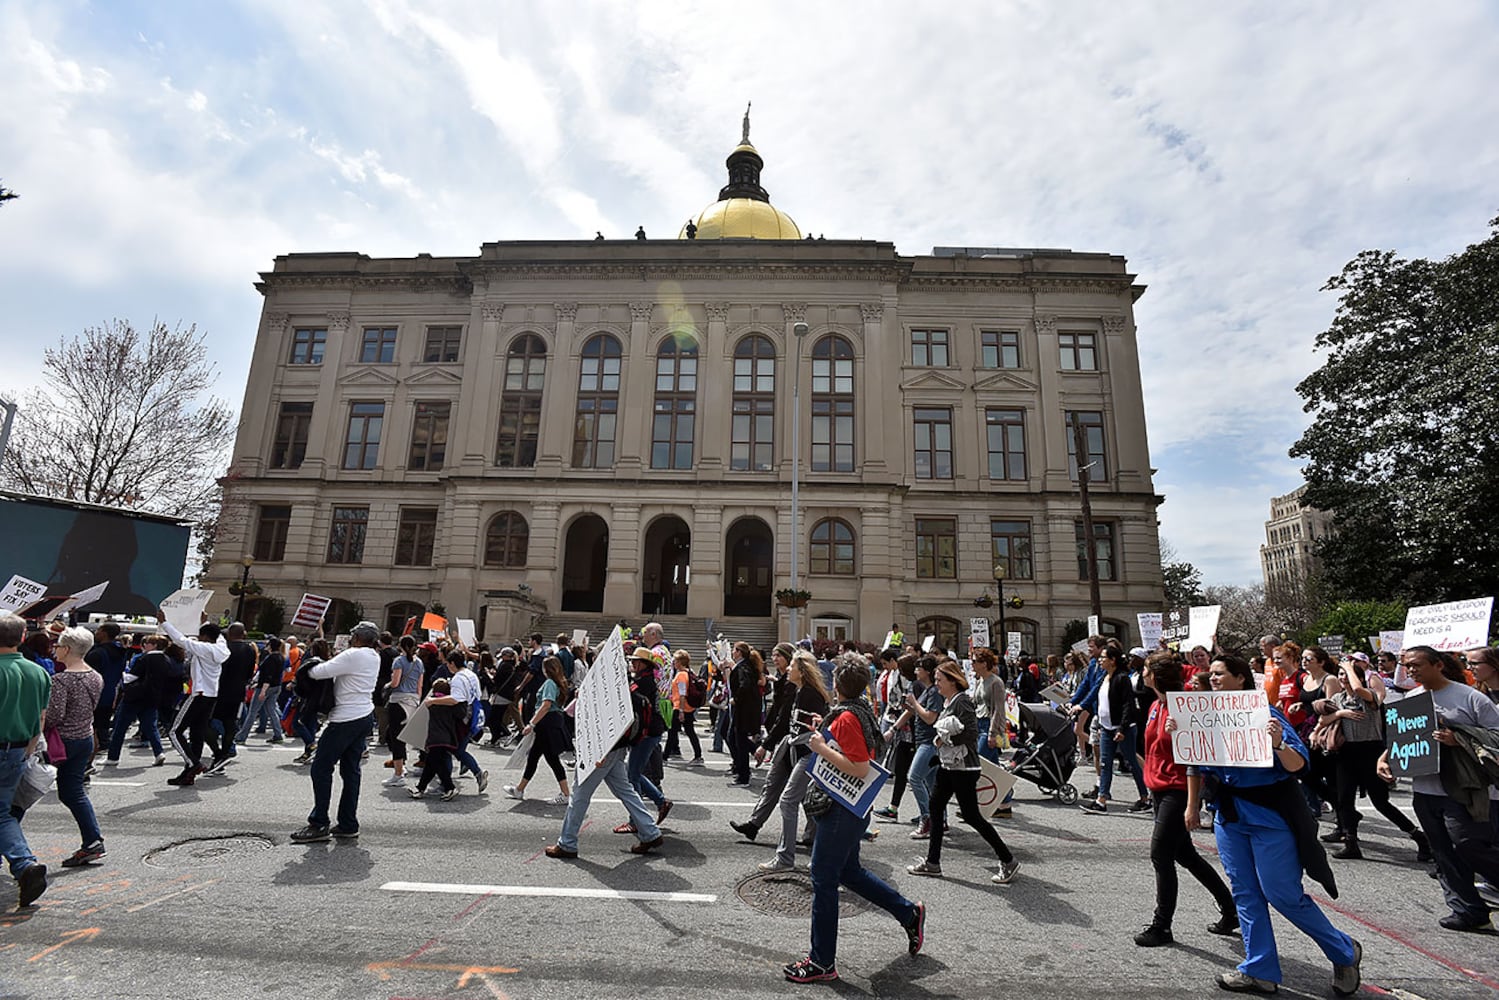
x,y
1105,719
354,673
1460,704
464,686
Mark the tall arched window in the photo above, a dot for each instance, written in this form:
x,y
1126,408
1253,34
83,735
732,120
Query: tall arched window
x,y
520,404
505,541
753,446
598,403
832,405
676,403
832,547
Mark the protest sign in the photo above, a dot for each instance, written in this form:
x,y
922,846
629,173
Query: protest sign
x,y
1012,707
311,611
1150,629
341,642
1012,644
1094,626
467,633
993,785
978,631
1226,728
1391,642
1202,627
1081,646
20,592
603,710
522,750
1456,625
892,638
855,794
414,732
434,623
1410,735
82,599
1056,693
928,643
1373,643
184,609
580,637
1332,645
1176,625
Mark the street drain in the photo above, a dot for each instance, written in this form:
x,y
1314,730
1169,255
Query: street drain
x,y
789,894
207,852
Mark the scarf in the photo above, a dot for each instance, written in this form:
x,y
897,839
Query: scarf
x,y
867,724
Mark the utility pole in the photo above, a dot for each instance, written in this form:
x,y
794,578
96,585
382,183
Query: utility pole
x,y
10,417
1090,544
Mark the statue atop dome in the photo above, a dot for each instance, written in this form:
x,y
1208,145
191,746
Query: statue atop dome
x,y
744,137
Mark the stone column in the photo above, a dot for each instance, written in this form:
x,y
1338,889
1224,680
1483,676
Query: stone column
x,y
622,586
559,396
476,422
458,541
544,552
632,446
715,394
705,592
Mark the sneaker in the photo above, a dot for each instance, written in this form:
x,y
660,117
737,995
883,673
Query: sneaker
x,y
303,757
394,781
559,799
310,834
513,792
916,930
1140,806
161,760
450,794
343,833
186,778
1094,807
922,832
696,762
887,813
1226,925
1238,982
746,830
647,846
84,855
775,865
808,971
1453,922
416,793
736,783
1346,978
32,882
483,780
111,763
216,766
1006,873
1154,937
925,868
661,812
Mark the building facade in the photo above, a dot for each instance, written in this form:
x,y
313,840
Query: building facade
x,y
1287,557
607,426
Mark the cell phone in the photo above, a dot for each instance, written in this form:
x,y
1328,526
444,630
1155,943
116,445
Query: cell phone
x,y
806,720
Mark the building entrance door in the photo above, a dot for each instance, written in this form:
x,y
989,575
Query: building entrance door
x,y
668,567
585,564
749,555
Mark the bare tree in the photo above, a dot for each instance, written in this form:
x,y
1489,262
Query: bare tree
x,y
124,419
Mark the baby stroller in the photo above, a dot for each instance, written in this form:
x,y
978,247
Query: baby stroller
x,y
1050,757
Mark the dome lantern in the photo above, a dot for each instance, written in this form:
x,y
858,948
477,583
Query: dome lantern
x,y
743,209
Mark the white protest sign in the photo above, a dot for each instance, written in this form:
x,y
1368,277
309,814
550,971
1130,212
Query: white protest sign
x,y
1012,644
1373,643
856,794
1094,626
467,633
414,731
20,592
1058,694
580,637
1081,646
1150,629
1226,728
978,631
928,643
341,642
603,708
522,750
1391,642
993,785
889,640
1202,627
82,599
184,609
1456,625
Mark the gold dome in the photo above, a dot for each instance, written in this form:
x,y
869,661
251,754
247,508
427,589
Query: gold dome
x,y
743,219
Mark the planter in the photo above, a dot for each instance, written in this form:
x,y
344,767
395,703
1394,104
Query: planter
x,y
792,602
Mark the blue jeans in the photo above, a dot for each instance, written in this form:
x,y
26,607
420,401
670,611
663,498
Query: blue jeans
x,y
1264,870
1110,750
640,756
263,707
463,757
835,861
342,745
922,777
614,772
985,750
126,715
70,790
12,842
305,729
720,728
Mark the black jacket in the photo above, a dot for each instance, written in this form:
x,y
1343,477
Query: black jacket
x,y
804,700
1121,695
744,683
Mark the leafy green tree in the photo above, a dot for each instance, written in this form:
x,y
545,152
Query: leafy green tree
x,y
1403,449
1355,621
1183,584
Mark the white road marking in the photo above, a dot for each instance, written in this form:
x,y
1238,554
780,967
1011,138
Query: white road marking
x,y
117,784
719,805
459,889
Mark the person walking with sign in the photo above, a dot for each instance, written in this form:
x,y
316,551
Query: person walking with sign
x,y
1461,832
1266,836
835,850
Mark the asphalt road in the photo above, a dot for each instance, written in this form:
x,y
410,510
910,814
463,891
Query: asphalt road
x,y
203,895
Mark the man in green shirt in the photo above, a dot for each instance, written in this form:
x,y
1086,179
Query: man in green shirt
x,y
24,691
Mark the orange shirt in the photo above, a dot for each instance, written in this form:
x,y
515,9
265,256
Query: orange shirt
x,y
679,692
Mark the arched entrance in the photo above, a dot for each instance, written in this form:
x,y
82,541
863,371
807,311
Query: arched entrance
x,y
749,554
585,564
667,566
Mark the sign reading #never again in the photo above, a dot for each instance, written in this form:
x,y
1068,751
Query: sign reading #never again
x,y
1410,734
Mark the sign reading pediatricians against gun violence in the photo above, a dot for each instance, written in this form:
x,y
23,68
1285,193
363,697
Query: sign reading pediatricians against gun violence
x,y
1410,727
603,712
1226,728
1456,625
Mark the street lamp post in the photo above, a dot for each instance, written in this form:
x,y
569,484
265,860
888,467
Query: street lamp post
x,y
244,581
799,331
1001,643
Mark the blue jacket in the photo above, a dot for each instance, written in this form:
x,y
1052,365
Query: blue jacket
x,y
1086,695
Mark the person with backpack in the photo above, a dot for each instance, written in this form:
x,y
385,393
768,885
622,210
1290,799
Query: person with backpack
x,y
644,664
689,692
466,689
547,731
311,699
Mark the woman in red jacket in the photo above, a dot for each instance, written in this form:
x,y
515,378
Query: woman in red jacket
x,y
1170,842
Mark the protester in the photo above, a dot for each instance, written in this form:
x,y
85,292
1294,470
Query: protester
x,y
777,740
895,683
445,717
809,703
192,728
989,697
308,702
25,692
342,744
108,658
922,708
1084,703
644,666
1483,662
684,716
142,690
405,695
547,732
234,678
76,687
1316,685
1118,730
745,710
466,690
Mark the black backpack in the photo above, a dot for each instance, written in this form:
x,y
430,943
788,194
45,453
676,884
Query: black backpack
x,y
697,690
317,695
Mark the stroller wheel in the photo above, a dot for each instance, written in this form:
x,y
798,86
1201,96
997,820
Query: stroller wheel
x,y
1067,794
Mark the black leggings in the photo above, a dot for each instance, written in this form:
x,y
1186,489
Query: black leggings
x,y
545,742
439,766
680,722
962,785
395,718
1171,845
1358,765
900,762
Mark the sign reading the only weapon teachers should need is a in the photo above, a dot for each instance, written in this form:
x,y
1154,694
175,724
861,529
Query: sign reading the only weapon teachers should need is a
x,y
1222,728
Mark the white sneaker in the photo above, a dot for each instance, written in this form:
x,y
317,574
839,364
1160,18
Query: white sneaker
x,y
515,793
775,866
557,800
110,763
394,781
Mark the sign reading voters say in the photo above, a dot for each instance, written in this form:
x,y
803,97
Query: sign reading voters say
x,y
20,592
1456,625
603,711
1225,728
1410,727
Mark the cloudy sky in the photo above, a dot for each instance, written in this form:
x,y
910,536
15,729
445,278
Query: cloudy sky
x,y
1238,154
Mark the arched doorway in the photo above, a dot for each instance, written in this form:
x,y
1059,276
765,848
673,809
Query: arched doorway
x,y
749,555
668,567
585,564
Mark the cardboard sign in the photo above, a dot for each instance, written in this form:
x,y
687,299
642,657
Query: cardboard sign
x,y
978,631
603,710
580,637
1081,646
522,750
1332,645
1094,626
1456,625
857,795
1223,728
415,730
311,611
1391,642
1150,629
1410,736
1203,626
1057,694
20,592
1012,645
467,632
993,785
184,609
82,599
434,623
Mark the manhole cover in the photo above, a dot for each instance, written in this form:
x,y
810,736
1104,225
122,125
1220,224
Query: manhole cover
x,y
207,852
789,894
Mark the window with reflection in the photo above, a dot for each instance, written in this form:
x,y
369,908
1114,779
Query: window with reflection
x,y
520,403
598,403
832,547
752,447
832,405
674,416
505,541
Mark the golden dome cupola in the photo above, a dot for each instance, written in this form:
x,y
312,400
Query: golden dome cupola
x,y
743,209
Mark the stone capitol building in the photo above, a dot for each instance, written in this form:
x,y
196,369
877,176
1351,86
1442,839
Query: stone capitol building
x,y
568,433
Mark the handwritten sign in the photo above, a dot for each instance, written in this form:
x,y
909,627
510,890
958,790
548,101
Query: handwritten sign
x,y
1410,735
1332,645
184,609
1057,695
1225,728
857,795
341,642
1456,625
1094,625
20,592
1012,644
1391,642
311,611
467,631
978,632
1176,625
1150,629
603,707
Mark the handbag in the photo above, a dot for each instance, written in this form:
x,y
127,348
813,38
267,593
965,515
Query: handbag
x,y
56,751
817,802
37,779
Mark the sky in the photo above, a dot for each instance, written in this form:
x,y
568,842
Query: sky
x,y
1238,154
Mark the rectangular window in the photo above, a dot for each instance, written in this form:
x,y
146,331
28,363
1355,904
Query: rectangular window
x,y
1005,430
1103,538
292,426
753,434
593,432
671,433
442,344
1092,424
270,533
520,429
1011,541
1079,351
414,536
378,346
933,433
929,348
346,537
363,440
429,437
999,348
936,548
307,346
